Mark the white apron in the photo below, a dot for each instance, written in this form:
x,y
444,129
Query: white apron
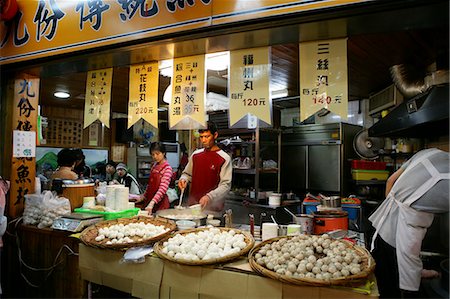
x,y
411,224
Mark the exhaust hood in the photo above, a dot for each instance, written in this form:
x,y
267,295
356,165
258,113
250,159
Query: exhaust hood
x,y
424,115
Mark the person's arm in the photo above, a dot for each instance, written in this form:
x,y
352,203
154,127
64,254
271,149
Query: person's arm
x,y
392,179
163,186
186,176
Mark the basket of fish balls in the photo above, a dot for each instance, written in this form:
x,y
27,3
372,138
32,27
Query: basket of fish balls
x,y
125,233
312,260
204,246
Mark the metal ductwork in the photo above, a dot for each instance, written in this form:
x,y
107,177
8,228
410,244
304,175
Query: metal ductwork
x,y
411,85
426,112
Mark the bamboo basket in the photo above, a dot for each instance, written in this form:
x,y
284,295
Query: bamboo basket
x,y
248,238
367,267
89,234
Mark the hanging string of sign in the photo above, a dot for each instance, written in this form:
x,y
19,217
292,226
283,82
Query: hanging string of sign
x,y
323,77
249,86
143,94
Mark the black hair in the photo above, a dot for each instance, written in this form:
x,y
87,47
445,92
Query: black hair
x,y
112,163
66,157
183,147
211,126
158,146
78,153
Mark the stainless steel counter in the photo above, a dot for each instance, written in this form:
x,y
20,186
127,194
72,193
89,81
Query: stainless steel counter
x,y
241,210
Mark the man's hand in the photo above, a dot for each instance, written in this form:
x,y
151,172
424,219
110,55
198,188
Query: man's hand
x,y
429,273
204,201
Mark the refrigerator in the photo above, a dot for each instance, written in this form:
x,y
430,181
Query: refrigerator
x,y
316,158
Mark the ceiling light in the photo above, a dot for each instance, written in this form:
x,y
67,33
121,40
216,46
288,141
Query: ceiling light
x,y
61,95
280,93
166,67
167,97
217,61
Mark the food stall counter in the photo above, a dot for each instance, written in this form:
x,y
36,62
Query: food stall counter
x,y
158,278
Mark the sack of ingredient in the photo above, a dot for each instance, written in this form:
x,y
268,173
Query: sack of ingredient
x,y
33,209
53,206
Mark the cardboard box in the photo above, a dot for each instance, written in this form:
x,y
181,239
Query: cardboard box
x,y
157,278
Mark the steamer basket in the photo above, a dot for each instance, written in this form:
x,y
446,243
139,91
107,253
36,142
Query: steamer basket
x,y
89,234
247,238
368,264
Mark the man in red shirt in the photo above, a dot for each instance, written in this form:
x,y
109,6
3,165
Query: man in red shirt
x,y
209,171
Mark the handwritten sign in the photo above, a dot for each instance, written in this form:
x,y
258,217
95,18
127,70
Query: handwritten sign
x,y
23,162
323,77
187,107
98,97
143,100
249,85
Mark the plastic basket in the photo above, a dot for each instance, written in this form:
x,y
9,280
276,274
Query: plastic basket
x,y
310,207
368,165
110,215
352,210
368,175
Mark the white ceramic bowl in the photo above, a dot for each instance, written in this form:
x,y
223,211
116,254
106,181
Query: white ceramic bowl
x,y
213,222
185,224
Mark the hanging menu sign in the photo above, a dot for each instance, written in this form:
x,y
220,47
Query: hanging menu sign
x,y
98,97
23,162
323,77
143,100
187,107
249,85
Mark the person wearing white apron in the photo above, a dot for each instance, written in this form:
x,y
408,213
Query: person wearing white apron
x,y
415,193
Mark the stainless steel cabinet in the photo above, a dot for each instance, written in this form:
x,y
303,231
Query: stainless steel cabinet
x,y
316,158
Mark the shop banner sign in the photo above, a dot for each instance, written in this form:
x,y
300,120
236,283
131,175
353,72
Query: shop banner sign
x,y
323,77
98,97
43,28
187,106
249,85
23,165
143,94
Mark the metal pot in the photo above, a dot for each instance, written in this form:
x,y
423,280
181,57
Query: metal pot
x,y
184,214
330,201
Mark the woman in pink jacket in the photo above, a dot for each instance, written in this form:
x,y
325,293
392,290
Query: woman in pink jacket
x,y
155,197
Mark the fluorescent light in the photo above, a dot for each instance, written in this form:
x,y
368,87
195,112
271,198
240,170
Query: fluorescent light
x,y
61,94
167,97
166,67
217,61
280,93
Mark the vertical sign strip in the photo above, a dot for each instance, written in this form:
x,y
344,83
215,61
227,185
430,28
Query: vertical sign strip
x,y
187,107
323,77
98,97
23,169
249,84
143,100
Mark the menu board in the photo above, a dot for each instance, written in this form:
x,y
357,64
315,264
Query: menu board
x,y
98,97
249,86
143,94
187,106
323,77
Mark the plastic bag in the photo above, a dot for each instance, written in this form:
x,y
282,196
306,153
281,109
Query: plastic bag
x,y
32,212
172,194
53,206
